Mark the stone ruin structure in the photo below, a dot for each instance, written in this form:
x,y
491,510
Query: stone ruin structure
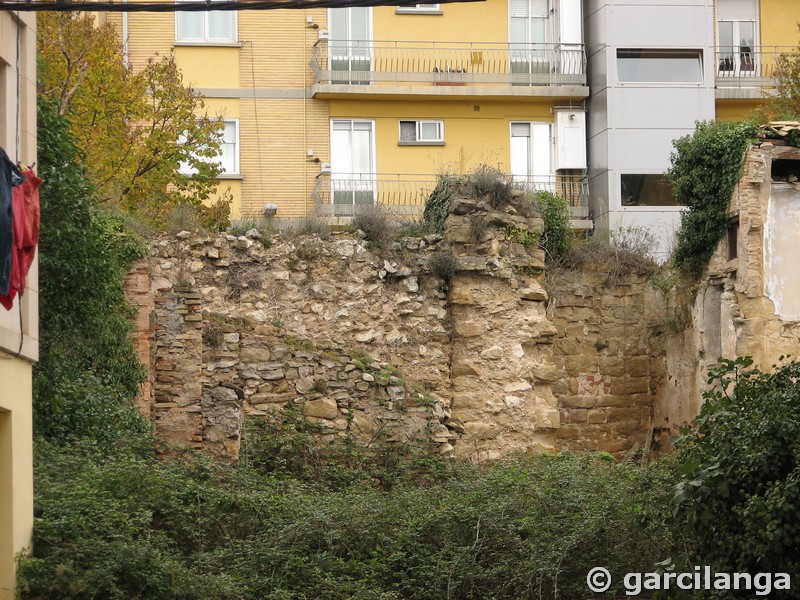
x,y
378,345
381,345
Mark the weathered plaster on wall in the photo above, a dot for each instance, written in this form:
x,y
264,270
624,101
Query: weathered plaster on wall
x,y
781,250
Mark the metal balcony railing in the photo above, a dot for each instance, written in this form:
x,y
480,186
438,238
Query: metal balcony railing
x,y
742,66
448,63
575,188
405,194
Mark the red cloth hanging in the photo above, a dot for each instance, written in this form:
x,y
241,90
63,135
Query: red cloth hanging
x,y
25,223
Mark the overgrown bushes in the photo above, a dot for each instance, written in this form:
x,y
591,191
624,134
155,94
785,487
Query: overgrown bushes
x,y
705,168
88,371
128,526
741,471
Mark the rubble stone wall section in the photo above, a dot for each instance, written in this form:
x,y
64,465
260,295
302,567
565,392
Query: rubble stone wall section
x,y
373,344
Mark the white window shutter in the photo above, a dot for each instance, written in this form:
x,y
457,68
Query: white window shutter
x,y
737,10
519,8
540,8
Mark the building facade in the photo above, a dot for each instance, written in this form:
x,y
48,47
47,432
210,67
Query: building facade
x,y
326,109
656,67
19,325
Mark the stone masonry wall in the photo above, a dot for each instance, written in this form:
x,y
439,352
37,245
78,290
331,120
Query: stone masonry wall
x,y
733,312
609,348
374,344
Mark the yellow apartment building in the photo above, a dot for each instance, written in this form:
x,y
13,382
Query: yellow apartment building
x,y
329,108
18,326
749,36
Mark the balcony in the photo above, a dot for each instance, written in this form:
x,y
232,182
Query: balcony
x,y
744,73
440,69
404,195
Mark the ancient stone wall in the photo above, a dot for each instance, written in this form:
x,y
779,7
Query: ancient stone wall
x,y
738,308
609,353
376,344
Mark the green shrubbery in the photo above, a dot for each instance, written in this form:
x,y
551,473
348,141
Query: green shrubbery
x,y
740,492
705,168
88,371
129,526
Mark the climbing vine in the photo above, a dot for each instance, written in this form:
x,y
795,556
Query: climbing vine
x,y
705,168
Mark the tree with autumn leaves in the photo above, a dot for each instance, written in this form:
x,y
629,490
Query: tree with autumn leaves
x,y
134,129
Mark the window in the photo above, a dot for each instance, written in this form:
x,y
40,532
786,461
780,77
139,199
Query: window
x,y
528,35
228,158
420,8
421,132
646,65
215,26
531,154
352,164
646,189
737,32
349,45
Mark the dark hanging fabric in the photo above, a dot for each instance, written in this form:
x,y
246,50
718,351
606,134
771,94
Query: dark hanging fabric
x,y
25,234
10,177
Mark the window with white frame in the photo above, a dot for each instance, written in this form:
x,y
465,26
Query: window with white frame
x,y
228,158
205,27
659,65
421,132
420,8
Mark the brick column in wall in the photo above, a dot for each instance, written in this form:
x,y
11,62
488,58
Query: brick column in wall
x,y
177,387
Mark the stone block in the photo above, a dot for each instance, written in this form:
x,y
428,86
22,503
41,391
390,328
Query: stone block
x,y
612,366
574,415
324,408
481,430
578,402
638,366
624,414
468,401
253,354
598,415
257,399
630,385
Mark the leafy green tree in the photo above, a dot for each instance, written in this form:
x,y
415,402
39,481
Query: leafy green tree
x,y
784,101
133,129
740,491
88,372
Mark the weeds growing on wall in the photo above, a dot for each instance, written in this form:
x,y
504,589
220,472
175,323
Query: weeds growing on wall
x,y
705,168
437,206
557,234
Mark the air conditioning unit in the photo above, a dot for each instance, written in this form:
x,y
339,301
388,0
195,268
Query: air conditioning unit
x,y
325,167
269,210
323,34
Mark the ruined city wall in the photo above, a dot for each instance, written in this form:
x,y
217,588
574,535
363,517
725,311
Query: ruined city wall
x,y
378,344
748,301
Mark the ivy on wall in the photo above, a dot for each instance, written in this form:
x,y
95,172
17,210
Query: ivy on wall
x,y
705,168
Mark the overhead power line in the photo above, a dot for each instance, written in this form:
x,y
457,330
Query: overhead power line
x,y
191,6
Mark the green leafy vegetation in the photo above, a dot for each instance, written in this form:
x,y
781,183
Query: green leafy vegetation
x,y
738,496
437,206
705,168
557,234
88,371
129,526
